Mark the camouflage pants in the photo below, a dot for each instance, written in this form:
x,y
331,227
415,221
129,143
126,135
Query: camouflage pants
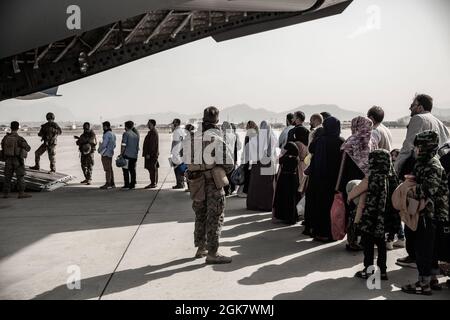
x,y
13,164
87,162
209,215
51,150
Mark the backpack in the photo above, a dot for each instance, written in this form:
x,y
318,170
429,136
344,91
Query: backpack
x,y
10,146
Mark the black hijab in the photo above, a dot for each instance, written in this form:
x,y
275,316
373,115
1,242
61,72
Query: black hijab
x,y
301,134
331,134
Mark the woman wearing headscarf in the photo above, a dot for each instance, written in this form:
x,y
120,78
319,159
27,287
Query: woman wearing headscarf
x,y
323,174
252,131
285,200
301,134
262,157
230,139
298,139
356,167
237,145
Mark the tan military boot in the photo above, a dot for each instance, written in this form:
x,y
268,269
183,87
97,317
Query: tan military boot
x,y
23,195
217,258
201,252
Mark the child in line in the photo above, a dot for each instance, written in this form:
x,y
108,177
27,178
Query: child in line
x,y
372,222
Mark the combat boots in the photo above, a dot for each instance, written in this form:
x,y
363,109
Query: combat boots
x,y
216,258
23,195
35,167
201,252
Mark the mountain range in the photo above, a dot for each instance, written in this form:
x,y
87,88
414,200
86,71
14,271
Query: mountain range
x,y
238,113
243,113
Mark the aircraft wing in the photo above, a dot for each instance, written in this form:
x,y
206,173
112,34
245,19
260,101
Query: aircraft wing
x,y
52,92
46,43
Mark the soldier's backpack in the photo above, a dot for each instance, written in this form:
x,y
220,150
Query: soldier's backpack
x,y
11,146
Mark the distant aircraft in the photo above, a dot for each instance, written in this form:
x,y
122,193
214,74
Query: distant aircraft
x,y
46,43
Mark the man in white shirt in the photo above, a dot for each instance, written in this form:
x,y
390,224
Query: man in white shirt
x,y
421,120
178,135
380,134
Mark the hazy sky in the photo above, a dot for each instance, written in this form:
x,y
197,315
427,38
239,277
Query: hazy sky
x,y
355,60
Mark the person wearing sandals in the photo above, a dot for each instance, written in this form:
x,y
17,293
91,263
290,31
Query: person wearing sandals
x,y
372,223
431,186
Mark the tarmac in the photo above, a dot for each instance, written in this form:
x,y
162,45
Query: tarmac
x,y
139,245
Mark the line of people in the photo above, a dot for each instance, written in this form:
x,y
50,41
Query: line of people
x,y
360,179
15,149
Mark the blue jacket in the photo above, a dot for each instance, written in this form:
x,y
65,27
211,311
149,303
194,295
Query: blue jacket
x,y
108,145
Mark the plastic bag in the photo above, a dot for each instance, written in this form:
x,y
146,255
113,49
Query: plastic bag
x,y
301,208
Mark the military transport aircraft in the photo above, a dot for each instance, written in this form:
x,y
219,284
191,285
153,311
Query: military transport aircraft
x,y
46,43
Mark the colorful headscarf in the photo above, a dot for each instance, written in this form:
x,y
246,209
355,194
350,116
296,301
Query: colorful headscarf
x,y
360,144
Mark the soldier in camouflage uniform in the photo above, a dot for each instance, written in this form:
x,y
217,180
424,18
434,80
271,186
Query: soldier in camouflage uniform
x,y
86,144
209,160
49,133
431,180
372,224
14,149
